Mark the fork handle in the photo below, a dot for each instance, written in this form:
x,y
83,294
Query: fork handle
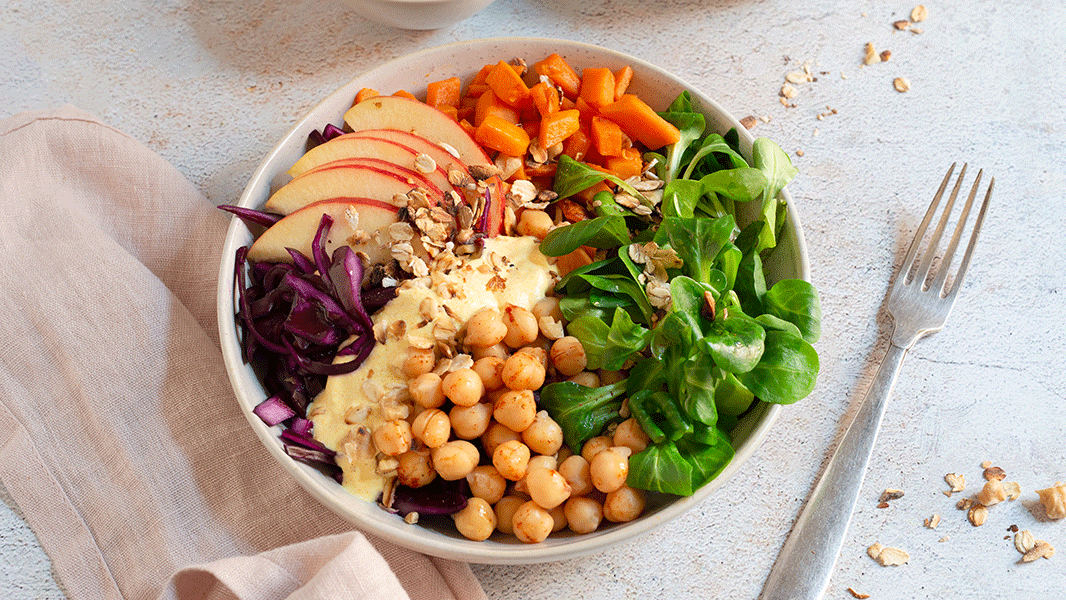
x,y
805,564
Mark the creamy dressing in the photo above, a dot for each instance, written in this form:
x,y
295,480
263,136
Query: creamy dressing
x,y
510,270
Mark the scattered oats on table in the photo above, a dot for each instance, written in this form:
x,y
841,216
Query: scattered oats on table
x,y
932,521
977,514
887,556
857,594
1054,500
901,84
919,13
991,472
957,483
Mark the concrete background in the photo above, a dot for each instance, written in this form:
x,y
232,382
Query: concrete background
x,y
210,84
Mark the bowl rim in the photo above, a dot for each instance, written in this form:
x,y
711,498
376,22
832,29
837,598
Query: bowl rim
x,y
243,380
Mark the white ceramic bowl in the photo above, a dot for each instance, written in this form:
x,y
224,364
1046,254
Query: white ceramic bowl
x,y
789,260
417,14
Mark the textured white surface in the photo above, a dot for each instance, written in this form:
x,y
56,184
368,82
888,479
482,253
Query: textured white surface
x,y
211,85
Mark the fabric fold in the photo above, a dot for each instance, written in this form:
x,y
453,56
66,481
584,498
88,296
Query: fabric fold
x,y
121,441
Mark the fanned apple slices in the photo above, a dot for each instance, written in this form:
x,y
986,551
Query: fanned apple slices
x,y
353,220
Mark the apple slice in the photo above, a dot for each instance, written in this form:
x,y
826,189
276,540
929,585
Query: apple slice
x,y
495,192
444,159
353,178
366,147
394,112
349,215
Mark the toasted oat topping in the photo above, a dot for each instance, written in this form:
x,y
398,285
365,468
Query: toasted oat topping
x,y
919,13
857,594
1024,541
956,482
901,84
932,521
977,514
1040,549
1054,500
994,473
887,556
992,493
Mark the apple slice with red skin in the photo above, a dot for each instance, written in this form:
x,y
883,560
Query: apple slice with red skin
x,y
366,147
359,178
491,223
298,230
348,146
394,112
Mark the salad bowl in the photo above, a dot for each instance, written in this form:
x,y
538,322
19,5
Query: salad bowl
x,y
787,261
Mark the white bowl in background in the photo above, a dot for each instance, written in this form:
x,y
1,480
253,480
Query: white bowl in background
x,y
417,14
411,73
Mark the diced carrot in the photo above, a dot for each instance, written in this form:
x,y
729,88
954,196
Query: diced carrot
x,y
545,98
586,110
541,170
449,110
445,92
532,128
597,86
628,164
557,127
508,85
474,90
569,262
607,137
555,68
622,78
481,75
577,145
489,104
640,122
587,194
501,135
364,94
404,94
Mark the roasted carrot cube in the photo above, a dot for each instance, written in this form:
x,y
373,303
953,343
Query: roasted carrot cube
x,y
545,98
622,78
501,135
597,86
607,137
445,92
640,122
555,68
557,127
508,86
489,104
364,94
628,164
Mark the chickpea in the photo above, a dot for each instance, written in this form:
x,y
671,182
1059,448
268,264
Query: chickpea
x,y
558,518
536,223
594,445
568,355
432,427
516,409
499,351
469,422
414,469
455,459
426,390
587,379
541,461
523,371
610,468
496,434
393,437
476,521
463,387
575,469
531,523
583,514
486,482
629,434
419,361
623,505
522,327
511,459
547,487
485,328
548,307
609,377
543,435
539,348
489,368
505,510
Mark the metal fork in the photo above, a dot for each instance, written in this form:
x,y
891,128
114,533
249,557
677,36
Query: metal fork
x,y
919,302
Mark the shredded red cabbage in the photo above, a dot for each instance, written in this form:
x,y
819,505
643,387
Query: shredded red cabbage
x,y
438,497
295,320
328,132
251,216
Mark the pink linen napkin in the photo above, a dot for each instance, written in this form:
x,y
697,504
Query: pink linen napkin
x,y
120,439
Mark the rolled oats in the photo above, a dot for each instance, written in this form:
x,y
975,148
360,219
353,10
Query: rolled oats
x,y
956,481
977,514
424,163
1040,549
1014,491
901,24
992,493
1024,541
872,56
901,84
857,594
749,122
919,13
875,550
888,556
932,521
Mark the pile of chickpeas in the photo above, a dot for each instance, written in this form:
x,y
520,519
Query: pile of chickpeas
x,y
482,423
